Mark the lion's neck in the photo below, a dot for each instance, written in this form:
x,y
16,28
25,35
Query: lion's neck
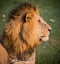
x,y
18,48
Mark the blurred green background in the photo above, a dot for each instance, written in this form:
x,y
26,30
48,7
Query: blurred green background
x,y
47,52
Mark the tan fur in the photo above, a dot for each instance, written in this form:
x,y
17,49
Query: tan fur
x,y
24,31
3,55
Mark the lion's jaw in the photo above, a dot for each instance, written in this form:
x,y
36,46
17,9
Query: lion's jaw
x,y
45,38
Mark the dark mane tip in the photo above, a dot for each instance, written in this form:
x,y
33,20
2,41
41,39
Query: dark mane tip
x,y
16,10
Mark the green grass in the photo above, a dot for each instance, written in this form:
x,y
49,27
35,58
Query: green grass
x,y
47,52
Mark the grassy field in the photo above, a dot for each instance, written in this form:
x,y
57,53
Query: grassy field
x,y
47,52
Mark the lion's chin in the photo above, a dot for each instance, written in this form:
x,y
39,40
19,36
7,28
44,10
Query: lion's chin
x,y
46,38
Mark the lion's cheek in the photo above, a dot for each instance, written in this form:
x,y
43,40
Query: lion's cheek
x,y
31,39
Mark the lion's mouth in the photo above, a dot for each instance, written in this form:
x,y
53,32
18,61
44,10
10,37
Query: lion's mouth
x,y
44,38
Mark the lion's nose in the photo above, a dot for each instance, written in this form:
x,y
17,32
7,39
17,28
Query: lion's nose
x,y
49,29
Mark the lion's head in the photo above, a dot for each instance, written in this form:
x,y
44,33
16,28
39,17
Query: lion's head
x,y
24,30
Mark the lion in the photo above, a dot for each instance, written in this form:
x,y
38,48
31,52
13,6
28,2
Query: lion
x,y
24,31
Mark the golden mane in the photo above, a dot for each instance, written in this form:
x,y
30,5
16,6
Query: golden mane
x,y
13,40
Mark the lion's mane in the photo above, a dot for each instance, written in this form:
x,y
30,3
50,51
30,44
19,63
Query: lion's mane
x,y
14,40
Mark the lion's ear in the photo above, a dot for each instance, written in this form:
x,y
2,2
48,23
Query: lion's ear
x,y
28,17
